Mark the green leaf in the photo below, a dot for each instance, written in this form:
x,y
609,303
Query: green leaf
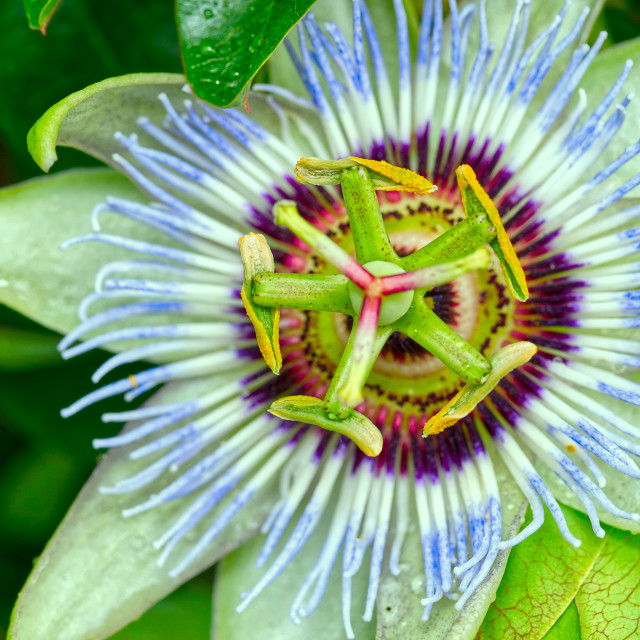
x,y
225,43
34,512
99,570
21,349
88,41
591,592
567,627
39,12
542,577
608,600
269,612
38,279
87,119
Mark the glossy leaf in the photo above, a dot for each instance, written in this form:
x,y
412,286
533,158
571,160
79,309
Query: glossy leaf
x,y
39,12
224,43
99,570
542,577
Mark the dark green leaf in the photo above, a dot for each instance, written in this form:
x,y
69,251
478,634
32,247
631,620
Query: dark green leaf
x,y
225,42
20,349
183,614
34,512
39,12
85,43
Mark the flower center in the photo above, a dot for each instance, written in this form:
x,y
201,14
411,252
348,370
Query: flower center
x,y
385,292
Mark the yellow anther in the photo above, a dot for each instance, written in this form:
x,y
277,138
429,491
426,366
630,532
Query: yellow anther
x,y
257,258
133,381
385,176
400,179
466,400
511,267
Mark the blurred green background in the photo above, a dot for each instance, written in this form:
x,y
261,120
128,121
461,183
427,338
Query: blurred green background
x,y
44,460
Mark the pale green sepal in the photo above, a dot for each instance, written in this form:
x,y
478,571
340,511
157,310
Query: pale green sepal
x,y
499,16
36,277
267,617
619,488
87,119
398,605
499,13
598,79
99,570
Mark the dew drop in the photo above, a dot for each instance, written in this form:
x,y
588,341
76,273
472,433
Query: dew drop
x,y
208,14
